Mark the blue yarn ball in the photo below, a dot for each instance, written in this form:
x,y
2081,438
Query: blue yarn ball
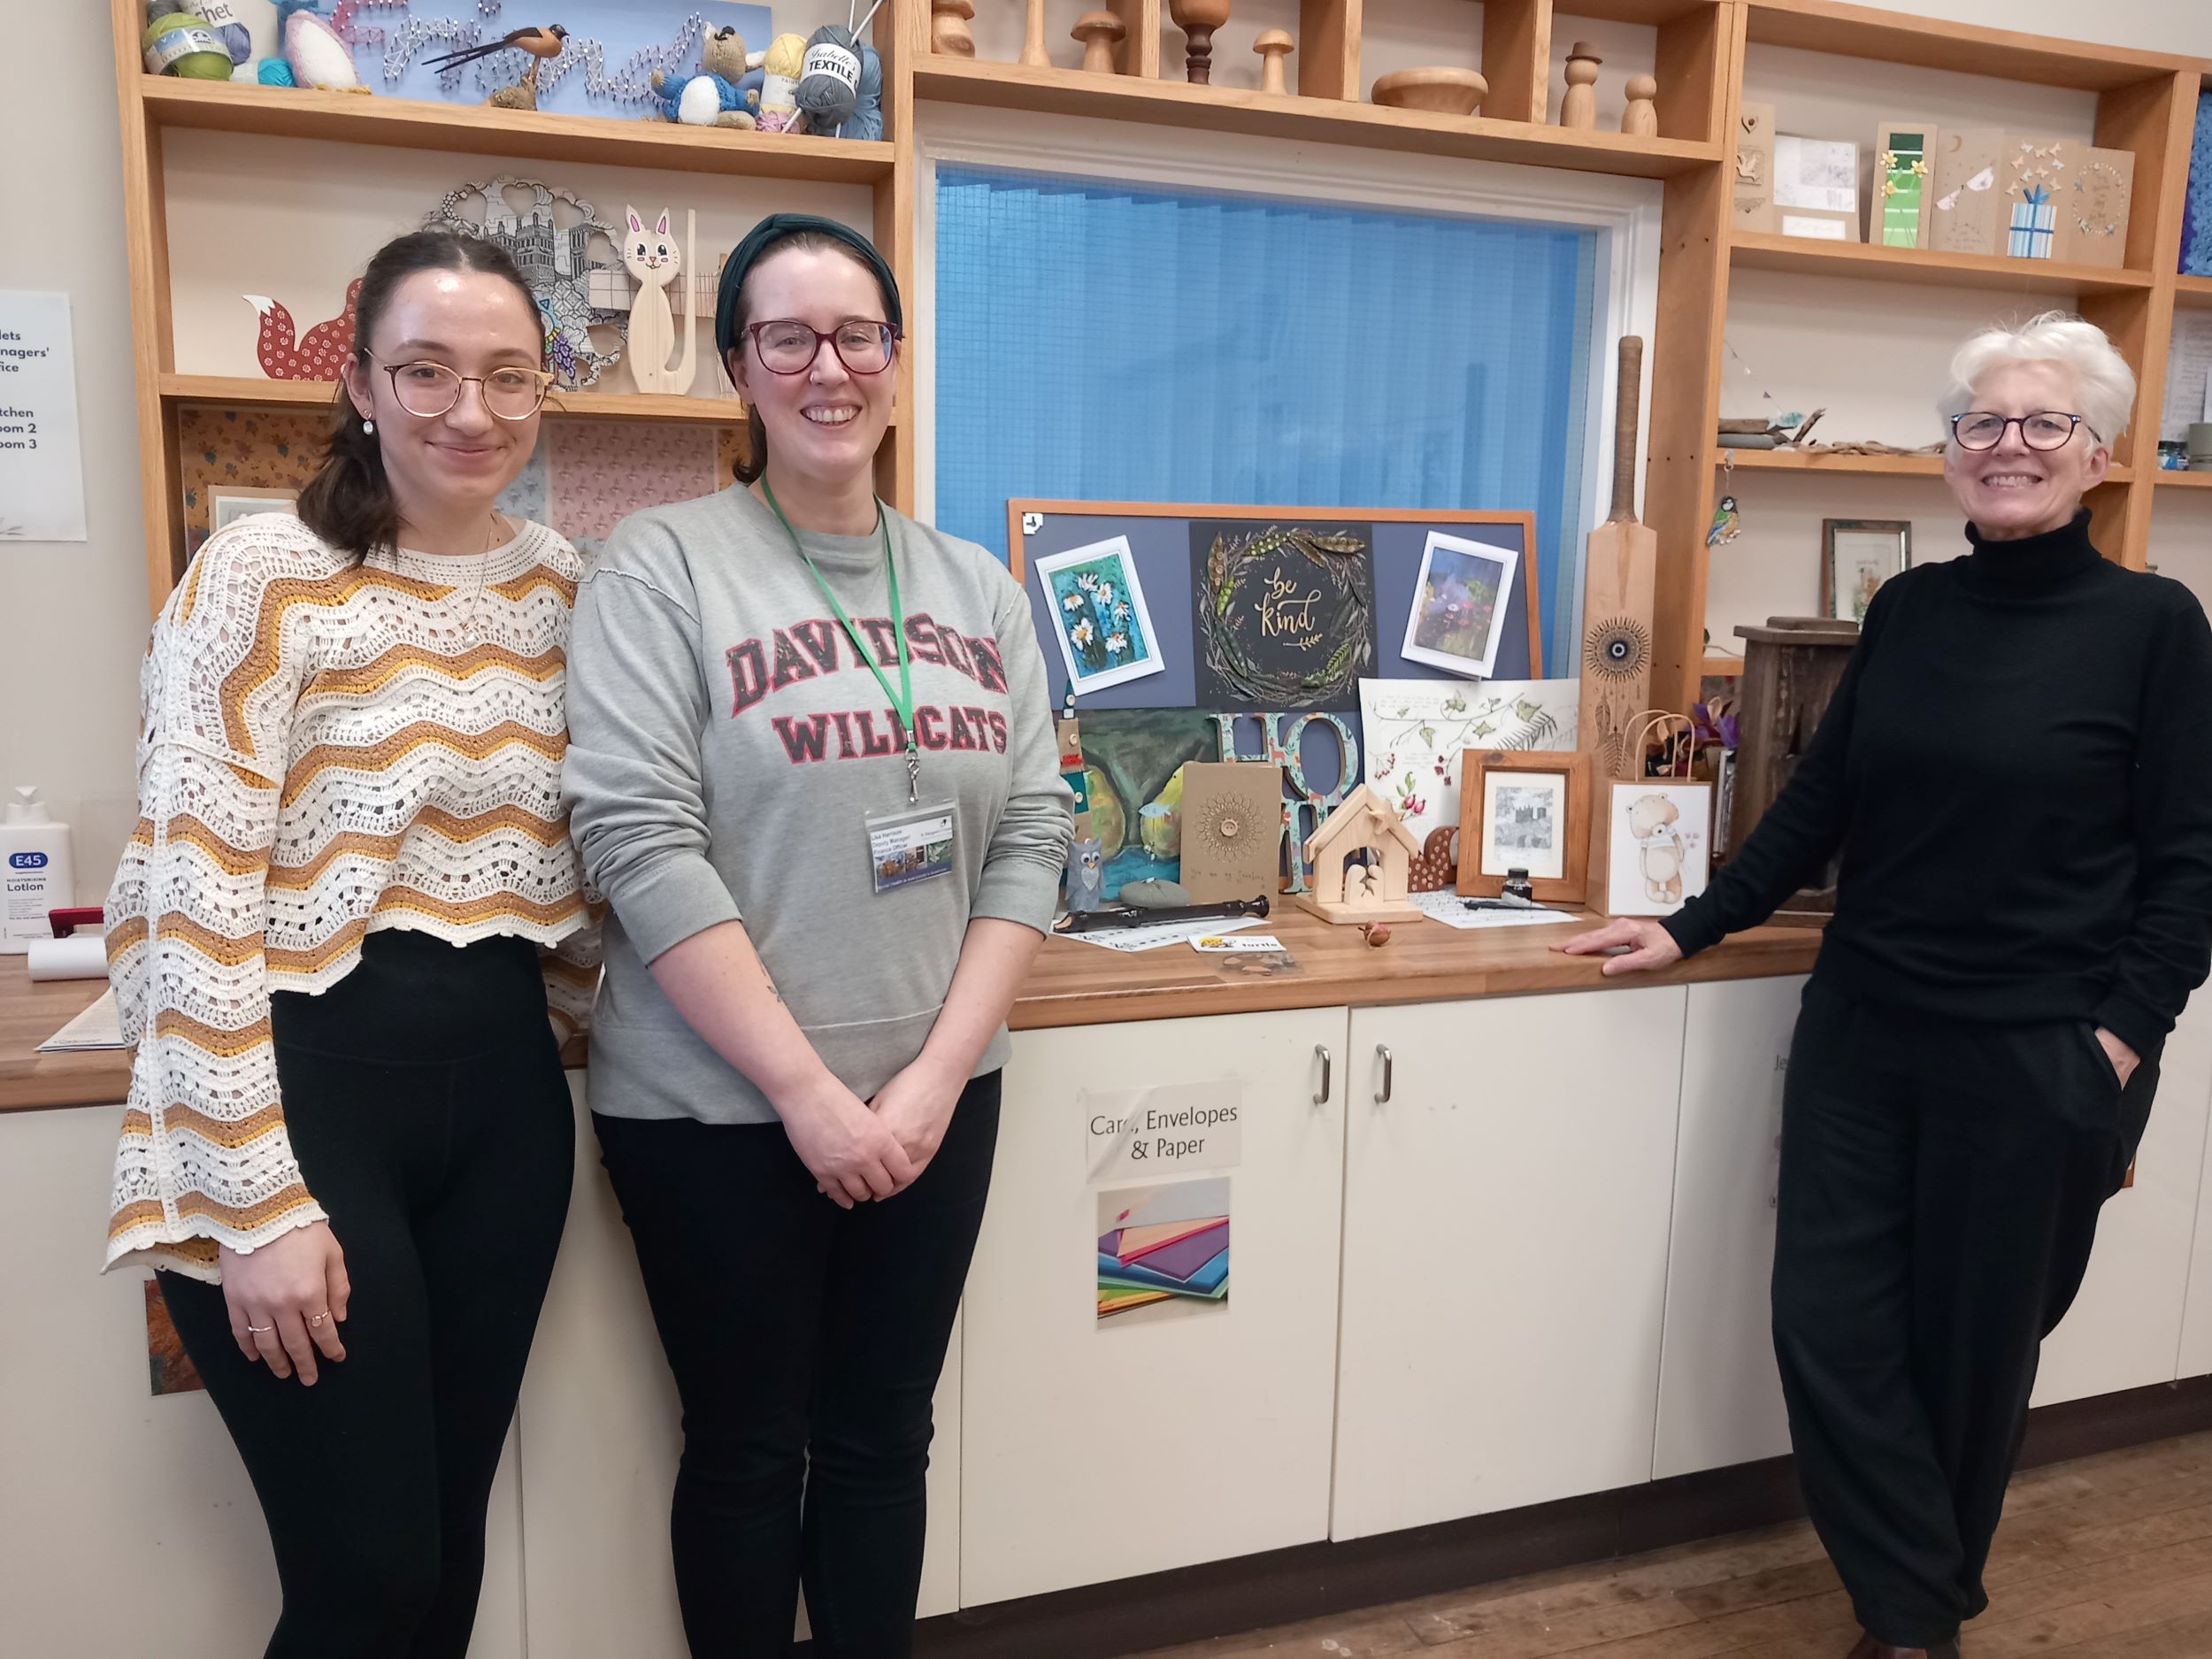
x,y
274,72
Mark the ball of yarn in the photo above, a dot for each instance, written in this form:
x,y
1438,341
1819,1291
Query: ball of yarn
x,y
829,77
867,116
180,43
317,57
781,65
274,72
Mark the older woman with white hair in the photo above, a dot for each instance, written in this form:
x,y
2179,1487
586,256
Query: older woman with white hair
x,y
2014,775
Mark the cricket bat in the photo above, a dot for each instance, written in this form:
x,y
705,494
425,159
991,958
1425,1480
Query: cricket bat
x,y
1619,573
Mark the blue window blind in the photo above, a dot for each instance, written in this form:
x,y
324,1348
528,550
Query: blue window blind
x,y
1101,341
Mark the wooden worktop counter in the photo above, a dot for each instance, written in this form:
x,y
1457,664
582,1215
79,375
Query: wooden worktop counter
x,y
1072,984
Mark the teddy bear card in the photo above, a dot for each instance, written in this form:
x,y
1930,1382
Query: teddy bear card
x,y
1660,839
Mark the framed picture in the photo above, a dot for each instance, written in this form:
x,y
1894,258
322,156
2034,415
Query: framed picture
x,y
1457,618
1103,628
1857,557
1659,844
230,502
1528,810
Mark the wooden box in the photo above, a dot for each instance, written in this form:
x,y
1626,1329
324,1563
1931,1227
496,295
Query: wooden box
x,y
1791,667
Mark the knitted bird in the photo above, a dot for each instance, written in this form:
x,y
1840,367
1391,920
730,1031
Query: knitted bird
x,y
318,355
1725,520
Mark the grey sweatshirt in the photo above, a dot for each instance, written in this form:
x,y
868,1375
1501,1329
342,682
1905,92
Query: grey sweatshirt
x,y
726,746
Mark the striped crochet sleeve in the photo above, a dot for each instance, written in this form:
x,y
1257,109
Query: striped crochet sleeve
x,y
204,1159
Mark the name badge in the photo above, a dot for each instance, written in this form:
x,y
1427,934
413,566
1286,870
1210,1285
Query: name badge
x,y
911,846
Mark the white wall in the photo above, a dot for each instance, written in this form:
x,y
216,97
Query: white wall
x,y
73,618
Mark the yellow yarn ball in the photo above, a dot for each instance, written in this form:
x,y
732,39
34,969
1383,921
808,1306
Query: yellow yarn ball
x,y
787,56
208,66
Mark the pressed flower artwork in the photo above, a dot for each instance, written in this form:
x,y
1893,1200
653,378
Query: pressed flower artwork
x,y
1099,615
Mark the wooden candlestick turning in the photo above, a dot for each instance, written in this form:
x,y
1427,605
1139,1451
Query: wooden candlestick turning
x,y
1640,118
1273,46
1033,54
1100,32
1198,20
948,27
1579,108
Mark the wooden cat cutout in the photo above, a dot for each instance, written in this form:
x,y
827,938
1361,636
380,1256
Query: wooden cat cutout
x,y
651,257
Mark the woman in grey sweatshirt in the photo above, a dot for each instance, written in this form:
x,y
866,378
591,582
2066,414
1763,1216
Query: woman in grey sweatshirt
x,y
811,766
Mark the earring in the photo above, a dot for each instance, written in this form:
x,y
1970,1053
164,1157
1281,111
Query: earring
x,y
368,425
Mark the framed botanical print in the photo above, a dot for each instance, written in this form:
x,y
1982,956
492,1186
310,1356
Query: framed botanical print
x,y
1525,809
1857,557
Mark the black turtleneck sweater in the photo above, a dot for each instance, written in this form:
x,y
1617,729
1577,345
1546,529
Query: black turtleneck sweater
x,y
2017,768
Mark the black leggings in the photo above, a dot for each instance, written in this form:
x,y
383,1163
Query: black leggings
x,y
806,1341
424,1099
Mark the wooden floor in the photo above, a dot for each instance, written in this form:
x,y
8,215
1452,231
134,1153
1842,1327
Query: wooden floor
x,y
2110,1557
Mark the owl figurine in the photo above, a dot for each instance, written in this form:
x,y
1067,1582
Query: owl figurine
x,y
1725,523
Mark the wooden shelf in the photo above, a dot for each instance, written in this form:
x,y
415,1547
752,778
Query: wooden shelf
x,y
1722,664
1758,250
1892,37
2194,290
1859,465
226,106
1315,120
250,392
2200,480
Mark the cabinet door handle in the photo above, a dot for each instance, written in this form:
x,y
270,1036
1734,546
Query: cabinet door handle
x,y
1382,1095
1322,1054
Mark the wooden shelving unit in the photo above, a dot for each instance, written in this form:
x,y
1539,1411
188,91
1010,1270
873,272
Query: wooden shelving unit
x,y
2145,103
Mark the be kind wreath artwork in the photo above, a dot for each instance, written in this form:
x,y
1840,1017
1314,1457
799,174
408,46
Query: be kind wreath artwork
x,y
1285,613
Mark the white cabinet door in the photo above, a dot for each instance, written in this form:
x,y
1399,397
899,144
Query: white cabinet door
x,y
2125,1328
1505,1247
1182,1431
2196,1325
1720,1397
600,1433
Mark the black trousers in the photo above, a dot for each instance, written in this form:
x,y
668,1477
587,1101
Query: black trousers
x,y
426,1104
806,1341
1939,1191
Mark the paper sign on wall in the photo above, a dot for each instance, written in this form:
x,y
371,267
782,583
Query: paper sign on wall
x,y
1168,1130
42,469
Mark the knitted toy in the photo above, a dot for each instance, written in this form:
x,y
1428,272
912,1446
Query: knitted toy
x,y
776,82
710,97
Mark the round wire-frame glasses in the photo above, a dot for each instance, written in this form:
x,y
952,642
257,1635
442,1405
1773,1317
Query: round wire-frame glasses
x,y
2039,429
787,346
426,389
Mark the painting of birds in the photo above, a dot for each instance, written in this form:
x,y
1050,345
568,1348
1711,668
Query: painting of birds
x,y
318,355
1724,528
538,44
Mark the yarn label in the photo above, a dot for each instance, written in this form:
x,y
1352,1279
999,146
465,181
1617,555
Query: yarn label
x,y
182,42
826,58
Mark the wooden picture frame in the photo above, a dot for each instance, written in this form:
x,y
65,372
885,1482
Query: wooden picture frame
x,y
1851,551
1569,809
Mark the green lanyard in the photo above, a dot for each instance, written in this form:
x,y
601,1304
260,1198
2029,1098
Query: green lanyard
x,y
902,699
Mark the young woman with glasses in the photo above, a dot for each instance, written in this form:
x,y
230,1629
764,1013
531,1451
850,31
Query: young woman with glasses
x,y
347,937
814,772
2016,775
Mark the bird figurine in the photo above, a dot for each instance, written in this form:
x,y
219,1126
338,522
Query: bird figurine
x,y
540,43
1726,522
319,353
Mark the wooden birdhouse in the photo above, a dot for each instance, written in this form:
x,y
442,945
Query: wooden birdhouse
x,y
1362,824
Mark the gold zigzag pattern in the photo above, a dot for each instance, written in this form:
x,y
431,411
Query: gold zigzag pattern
x,y
229,950
228,1043
457,830
382,755
234,861
278,598
373,676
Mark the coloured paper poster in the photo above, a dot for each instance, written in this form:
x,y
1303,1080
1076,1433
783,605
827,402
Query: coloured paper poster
x,y
1418,729
600,472
42,469
1163,1252
1168,1129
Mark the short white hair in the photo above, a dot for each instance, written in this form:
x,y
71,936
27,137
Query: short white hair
x,y
2103,382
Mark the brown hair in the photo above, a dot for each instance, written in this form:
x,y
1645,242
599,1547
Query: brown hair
x,y
755,458
349,502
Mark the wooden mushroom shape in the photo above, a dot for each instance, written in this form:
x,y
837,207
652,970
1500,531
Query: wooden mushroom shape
x,y
1100,32
1198,20
948,27
1273,46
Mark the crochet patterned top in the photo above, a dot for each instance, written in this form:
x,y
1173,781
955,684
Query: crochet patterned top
x,y
328,745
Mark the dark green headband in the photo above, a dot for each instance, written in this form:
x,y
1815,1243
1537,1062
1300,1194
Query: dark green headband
x,y
779,227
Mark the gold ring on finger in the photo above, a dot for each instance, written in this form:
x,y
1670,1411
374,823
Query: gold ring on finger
x,y
318,1317
259,1329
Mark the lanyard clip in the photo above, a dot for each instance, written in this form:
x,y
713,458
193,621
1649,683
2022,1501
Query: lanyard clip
x,y
913,772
